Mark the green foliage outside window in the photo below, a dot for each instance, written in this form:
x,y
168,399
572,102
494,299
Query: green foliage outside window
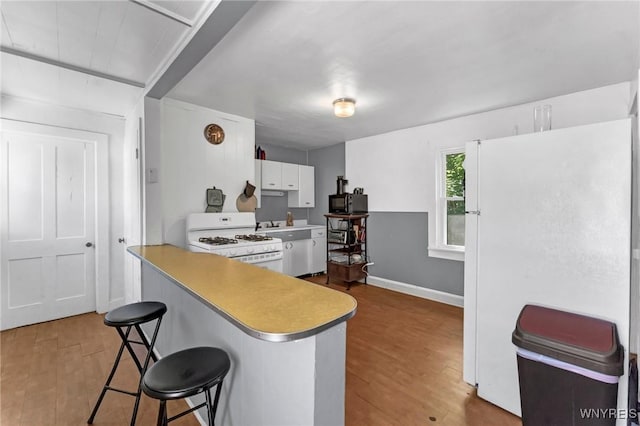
x,y
455,182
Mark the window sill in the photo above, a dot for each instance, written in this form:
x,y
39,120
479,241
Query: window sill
x,y
447,253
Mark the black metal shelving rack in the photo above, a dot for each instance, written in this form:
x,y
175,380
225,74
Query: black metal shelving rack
x,y
348,240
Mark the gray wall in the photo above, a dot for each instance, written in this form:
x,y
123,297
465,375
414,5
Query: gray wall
x,y
398,247
328,163
286,155
397,241
275,208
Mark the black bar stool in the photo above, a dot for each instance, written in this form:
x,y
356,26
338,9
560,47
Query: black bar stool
x,y
124,319
187,373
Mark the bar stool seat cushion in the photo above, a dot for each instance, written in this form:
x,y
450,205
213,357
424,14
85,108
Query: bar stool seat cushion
x,y
186,373
134,313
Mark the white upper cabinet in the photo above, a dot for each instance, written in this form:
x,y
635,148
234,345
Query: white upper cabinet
x,y
271,174
305,195
297,180
290,176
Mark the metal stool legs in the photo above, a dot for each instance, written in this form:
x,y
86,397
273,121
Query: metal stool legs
x,y
186,373
211,408
142,368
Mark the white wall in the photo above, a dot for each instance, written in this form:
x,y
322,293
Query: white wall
x,y
153,223
189,165
113,126
397,169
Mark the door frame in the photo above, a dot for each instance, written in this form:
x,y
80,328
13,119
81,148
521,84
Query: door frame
x,y
102,217
472,216
133,195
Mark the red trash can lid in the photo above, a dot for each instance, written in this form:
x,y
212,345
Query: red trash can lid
x,y
577,339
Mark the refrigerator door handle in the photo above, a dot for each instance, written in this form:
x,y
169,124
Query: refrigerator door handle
x,y
476,212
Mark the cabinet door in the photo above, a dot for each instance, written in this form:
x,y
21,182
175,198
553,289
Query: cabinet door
x,y
287,258
297,257
301,257
289,177
271,175
318,254
305,195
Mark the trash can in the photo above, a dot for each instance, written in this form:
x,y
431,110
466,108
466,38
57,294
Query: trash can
x,y
568,367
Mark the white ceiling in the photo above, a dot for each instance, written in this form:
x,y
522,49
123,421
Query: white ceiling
x,y
283,63
79,53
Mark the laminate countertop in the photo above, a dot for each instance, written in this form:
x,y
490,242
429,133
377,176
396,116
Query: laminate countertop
x,y
264,304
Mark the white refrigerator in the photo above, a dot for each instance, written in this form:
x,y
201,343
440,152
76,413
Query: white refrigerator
x,y
548,222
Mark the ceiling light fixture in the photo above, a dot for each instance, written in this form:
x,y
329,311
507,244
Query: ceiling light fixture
x,y
344,107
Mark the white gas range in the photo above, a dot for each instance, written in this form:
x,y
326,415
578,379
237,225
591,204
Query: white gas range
x,y
232,235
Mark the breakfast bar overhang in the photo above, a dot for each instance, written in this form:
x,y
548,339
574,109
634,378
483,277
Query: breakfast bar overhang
x,y
286,337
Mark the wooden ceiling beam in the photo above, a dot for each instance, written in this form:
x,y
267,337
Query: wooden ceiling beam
x,y
83,70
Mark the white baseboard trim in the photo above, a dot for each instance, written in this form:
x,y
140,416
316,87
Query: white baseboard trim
x,y
414,290
196,413
115,303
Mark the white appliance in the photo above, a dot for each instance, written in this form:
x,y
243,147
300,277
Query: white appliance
x,y
548,222
232,235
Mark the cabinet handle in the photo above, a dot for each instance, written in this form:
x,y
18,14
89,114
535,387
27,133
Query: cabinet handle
x,y
314,242
272,184
290,184
307,202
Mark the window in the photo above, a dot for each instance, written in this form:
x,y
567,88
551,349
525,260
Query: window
x,y
450,206
452,195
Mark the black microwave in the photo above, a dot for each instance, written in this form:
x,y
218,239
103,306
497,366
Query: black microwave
x,y
348,203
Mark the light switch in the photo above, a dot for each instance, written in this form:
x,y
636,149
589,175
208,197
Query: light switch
x,y
152,175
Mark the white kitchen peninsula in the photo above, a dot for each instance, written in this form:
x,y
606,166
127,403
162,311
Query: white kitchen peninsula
x,y
286,337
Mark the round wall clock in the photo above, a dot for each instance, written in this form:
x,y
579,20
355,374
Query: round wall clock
x,y
214,134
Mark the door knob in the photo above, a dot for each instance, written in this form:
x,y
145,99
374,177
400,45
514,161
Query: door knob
x,y
89,245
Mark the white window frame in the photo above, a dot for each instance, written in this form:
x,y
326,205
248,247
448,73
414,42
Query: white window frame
x,y
441,248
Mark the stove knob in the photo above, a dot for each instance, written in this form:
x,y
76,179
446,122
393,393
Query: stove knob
x,y
250,249
231,253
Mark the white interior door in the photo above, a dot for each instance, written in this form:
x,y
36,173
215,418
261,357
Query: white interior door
x,y
48,262
554,230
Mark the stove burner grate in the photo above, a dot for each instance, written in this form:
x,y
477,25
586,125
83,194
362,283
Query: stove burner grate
x,y
217,241
253,237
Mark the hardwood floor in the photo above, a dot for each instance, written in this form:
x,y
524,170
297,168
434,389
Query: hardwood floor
x,y
404,367
52,373
404,363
